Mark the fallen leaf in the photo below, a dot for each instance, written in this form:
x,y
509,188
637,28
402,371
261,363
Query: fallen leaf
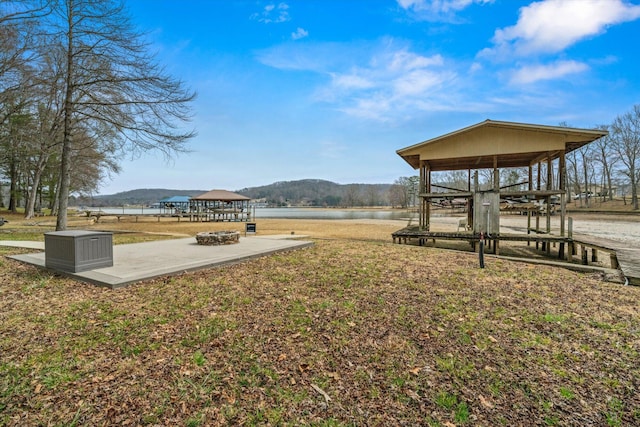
x,y
412,394
415,371
485,402
334,375
322,392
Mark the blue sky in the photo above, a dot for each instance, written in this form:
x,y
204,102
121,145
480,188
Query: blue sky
x,y
330,89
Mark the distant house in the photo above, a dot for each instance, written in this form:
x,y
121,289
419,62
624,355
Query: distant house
x,y
595,190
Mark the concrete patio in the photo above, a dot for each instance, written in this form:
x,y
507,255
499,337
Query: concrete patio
x,y
141,261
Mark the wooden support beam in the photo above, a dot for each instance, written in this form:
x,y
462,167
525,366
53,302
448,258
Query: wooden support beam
x,y
544,156
613,258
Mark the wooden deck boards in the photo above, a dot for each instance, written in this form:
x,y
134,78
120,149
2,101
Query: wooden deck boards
x,y
627,255
415,233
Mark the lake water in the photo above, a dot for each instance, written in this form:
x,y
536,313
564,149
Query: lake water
x,y
289,213
311,213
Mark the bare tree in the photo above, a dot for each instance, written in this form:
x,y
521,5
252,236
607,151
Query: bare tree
x,y
111,80
607,157
372,196
18,27
13,147
351,196
585,160
626,137
404,191
514,178
46,108
573,180
580,170
455,179
397,196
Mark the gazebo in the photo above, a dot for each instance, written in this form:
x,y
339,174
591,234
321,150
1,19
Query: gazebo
x,y
175,205
495,145
220,205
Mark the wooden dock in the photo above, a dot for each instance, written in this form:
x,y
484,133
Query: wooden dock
x,y
221,216
493,242
627,258
622,256
96,215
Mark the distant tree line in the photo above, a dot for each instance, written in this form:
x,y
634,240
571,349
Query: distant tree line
x,y
78,90
320,193
609,166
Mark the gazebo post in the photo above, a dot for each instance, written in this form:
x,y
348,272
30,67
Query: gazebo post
x,y
470,207
496,211
563,200
547,199
424,213
530,188
538,188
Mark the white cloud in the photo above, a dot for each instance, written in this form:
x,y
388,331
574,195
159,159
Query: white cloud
x,y
273,13
475,67
300,33
307,56
438,10
534,73
550,26
390,82
407,61
393,83
419,82
377,81
351,81
373,108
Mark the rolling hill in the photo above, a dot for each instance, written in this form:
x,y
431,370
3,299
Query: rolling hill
x,y
306,192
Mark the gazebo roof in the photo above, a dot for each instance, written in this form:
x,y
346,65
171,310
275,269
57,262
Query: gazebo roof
x,y
221,195
176,199
509,144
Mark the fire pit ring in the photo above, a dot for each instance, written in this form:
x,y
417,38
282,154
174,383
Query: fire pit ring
x,y
210,238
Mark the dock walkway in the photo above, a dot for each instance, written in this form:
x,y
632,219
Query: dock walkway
x,y
627,257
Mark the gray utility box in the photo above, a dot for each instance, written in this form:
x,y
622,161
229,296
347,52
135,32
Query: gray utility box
x,y
78,250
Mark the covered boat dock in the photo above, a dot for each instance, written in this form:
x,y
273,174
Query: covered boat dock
x,y
495,147
220,205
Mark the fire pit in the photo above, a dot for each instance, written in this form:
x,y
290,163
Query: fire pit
x,y
218,237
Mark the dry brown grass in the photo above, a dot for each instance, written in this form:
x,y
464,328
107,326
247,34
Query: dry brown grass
x,y
353,331
344,333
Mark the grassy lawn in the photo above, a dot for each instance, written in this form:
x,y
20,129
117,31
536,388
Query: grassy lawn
x,y
347,332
